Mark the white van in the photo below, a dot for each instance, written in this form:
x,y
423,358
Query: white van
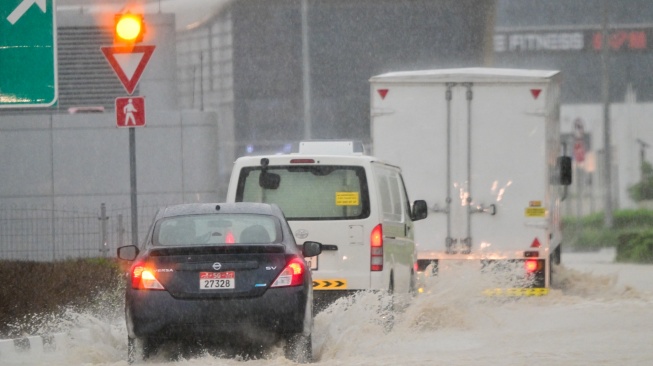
x,y
355,205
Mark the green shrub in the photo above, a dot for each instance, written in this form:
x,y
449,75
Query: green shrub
x,y
643,190
588,233
34,289
636,247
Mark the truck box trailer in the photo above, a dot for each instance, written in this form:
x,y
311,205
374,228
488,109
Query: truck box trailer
x,y
482,146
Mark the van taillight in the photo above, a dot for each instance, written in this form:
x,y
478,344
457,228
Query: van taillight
x,y
376,244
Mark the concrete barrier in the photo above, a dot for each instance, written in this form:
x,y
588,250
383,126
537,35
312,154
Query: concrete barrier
x,y
37,344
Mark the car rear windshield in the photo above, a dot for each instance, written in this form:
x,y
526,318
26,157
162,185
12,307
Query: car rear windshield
x,y
308,192
217,229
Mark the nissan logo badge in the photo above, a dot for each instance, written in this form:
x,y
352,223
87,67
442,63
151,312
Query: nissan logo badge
x,y
217,266
301,234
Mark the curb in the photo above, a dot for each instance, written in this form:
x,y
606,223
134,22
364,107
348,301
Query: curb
x,y
41,344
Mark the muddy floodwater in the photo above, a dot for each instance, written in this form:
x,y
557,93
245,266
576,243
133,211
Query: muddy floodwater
x,y
600,313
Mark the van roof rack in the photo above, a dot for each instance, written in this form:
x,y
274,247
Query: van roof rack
x,y
331,147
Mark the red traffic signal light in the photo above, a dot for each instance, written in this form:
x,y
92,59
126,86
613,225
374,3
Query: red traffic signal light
x,y
129,28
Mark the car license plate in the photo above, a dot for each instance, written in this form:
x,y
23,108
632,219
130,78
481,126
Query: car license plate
x,y
312,262
217,280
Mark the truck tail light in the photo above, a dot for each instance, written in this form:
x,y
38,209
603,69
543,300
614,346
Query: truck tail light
x,y
531,265
292,275
376,244
143,278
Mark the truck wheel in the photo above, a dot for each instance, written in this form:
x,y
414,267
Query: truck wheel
x,y
556,256
413,284
554,259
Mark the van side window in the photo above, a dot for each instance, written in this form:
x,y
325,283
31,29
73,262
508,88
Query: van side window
x,y
391,198
407,209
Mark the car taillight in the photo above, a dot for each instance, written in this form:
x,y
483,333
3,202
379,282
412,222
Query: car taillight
x,y
376,243
229,238
292,275
531,265
143,278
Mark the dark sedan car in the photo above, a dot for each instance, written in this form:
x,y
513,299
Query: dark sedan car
x,y
219,272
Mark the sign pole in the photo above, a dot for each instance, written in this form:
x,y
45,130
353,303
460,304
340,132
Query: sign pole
x,y
608,219
130,111
132,181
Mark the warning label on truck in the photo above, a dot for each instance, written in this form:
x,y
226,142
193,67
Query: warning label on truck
x,y
347,199
535,209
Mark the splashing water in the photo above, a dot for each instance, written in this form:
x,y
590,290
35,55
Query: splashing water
x,y
585,319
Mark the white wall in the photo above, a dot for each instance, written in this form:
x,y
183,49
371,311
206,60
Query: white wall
x,y
78,161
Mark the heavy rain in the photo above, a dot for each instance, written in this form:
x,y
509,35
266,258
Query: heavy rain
x,y
215,80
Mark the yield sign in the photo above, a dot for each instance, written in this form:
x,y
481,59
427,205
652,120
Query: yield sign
x,y
128,62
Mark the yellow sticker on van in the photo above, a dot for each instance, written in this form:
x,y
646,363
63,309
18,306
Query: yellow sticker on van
x,y
347,199
535,212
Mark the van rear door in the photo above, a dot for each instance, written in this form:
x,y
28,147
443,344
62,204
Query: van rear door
x,y
325,201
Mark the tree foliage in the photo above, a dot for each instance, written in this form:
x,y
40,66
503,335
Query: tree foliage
x,y
643,190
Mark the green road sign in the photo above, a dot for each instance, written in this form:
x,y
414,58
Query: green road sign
x,y
28,53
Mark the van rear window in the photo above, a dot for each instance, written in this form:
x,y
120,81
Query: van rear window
x,y
318,192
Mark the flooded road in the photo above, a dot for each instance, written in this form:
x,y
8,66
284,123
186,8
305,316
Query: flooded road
x,y
600,313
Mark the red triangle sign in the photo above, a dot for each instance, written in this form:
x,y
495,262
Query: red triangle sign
x,y
535,243
128,62
383,93
535,93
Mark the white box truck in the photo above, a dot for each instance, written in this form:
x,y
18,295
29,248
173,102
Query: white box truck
x,y
482,146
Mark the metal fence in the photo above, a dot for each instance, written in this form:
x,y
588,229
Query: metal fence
x,y
36,234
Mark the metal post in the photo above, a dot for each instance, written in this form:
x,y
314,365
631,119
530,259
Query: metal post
x,y
201,81
468,240
104,248
605,93
642,158
306,72
449,96
579,182
132,180
121,231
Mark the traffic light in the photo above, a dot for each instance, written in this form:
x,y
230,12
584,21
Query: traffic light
x,y
129,28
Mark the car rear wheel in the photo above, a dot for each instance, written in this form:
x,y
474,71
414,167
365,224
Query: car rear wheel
x,y
299,348
139,349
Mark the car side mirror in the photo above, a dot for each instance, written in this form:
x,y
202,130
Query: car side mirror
x,y
564,170
420,210
311,248
128,253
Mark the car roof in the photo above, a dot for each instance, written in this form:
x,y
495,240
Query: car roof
x,y
211,208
